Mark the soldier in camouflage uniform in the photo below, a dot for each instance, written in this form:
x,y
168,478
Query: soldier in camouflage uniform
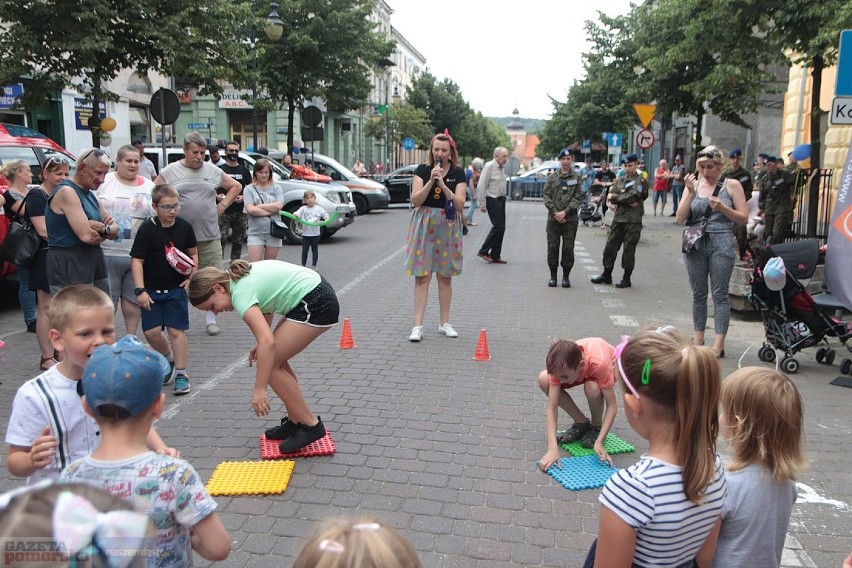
x,y
738,172
776,200
563,194
628,195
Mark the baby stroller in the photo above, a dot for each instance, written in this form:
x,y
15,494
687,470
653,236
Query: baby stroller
x,y
591,210
792,320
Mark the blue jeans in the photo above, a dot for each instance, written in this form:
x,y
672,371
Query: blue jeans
x,y
473,205
677,194
26,297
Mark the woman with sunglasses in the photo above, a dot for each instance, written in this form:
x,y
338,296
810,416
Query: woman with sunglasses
x,y
20,176
53,172
77,224
435,240
716,251
126,196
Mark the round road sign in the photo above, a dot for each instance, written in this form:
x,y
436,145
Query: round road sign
x,y
165,106
645,138
408,143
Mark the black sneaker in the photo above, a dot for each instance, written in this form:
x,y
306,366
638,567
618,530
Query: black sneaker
x,y
281,431
170,374
574,433
590,437
302,436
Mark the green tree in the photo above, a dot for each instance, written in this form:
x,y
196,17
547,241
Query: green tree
x,y
330,49
443,102
405,120
53,44
478,136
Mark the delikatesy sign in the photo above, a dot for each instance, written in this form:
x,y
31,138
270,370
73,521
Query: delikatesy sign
x,y
838,256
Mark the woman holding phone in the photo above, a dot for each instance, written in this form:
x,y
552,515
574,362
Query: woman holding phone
x,y
434,238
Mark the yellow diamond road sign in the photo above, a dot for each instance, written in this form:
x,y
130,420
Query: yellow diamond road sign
x,y
645,112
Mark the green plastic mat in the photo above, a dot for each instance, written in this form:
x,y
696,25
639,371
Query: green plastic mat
x,y
613,445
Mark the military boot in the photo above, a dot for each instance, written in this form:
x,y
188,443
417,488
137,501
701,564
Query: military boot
x,y
605,278
566,283
552,282
624,282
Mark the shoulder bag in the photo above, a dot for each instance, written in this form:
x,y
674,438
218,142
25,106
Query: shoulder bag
x,y
277,227
694,232
22,241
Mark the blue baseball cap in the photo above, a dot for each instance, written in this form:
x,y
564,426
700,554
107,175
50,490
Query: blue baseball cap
x,y
631,158
566,152
126,375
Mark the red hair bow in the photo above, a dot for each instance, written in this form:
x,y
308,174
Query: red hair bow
x,y
450,138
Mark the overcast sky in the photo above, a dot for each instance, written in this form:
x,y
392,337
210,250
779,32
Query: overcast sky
x,y
503,53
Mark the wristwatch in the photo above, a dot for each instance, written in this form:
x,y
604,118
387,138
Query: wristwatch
x,y
138,291
106,231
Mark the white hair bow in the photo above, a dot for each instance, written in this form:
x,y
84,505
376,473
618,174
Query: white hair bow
x,y
117,536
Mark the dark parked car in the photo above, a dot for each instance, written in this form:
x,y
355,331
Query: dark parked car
x,y
398,183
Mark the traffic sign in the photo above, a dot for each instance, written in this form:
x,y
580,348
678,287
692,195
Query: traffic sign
x,y
408,143
586,146
645,112
645,138
841,110
843,84
614,140
197,125
165,106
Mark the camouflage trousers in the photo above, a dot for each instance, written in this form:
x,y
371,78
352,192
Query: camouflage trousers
x,y
626,234
566,232
235,224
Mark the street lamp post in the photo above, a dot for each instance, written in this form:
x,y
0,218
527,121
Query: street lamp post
x,y
274,29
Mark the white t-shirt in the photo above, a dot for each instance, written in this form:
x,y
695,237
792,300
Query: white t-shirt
x,y
51,399
197,190
649,497
129,205
313,214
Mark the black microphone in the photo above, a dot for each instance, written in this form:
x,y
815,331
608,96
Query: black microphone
x,y
440,162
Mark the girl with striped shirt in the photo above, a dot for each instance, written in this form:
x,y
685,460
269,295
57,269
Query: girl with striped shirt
x,y
665,509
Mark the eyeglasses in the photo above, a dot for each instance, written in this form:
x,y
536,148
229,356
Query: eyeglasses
x,y
96,151
709,154
169,208
55,161
618,351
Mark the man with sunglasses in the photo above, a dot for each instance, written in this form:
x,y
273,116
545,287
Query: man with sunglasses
x,y
196,181
628,194
234,219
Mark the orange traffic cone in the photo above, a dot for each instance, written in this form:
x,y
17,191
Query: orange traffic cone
x,y
346,341
481,353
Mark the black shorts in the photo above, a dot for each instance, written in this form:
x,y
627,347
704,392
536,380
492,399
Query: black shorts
x,y
318,308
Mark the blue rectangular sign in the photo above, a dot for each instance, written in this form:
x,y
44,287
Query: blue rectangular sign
x,y
197,125
843,85
10,93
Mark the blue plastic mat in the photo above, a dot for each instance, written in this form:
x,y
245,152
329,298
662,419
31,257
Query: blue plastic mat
x,y
587,472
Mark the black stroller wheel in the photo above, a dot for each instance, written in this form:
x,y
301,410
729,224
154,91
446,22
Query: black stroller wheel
x,y
846,366
766,354
829,357
820,354
790,366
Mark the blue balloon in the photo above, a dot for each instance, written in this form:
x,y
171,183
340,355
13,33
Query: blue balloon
x,y
802,152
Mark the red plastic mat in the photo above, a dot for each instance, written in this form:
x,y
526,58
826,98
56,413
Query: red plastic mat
x,y
322,447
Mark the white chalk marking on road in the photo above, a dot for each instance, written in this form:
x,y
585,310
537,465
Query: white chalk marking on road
x,y
624,321
589,261
612,302
808,494
358,279
228,372
581,253
214,381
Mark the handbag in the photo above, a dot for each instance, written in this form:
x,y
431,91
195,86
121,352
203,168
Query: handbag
x,y
450,210
277,227
694,232
21,243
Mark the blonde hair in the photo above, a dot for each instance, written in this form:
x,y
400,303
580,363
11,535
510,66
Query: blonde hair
x,y
10,169
163,190
361,543
73,299
764,413
29,517
717,157
308,193
685,382
201,283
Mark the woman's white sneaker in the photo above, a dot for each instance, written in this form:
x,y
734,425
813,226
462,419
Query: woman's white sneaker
x,y
447,330
416,333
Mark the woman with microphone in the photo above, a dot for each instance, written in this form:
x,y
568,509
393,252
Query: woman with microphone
x,y
435,231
